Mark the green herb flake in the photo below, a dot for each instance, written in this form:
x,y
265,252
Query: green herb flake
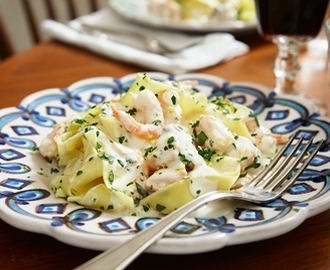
x,y
206,153
110,207
202,137
79,121
121,163
48,159
173,98
98,145
243,158
79,172
254,165
122,139
149,150
132,111
193,126
160,207
34,148
146,208
111,177
171,140
54,170
156,122
106,157
257,121
141,190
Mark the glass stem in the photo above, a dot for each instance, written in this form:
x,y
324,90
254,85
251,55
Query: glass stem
x,y
286,64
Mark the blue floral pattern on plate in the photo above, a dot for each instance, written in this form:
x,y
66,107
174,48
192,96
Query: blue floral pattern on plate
x,y
27,202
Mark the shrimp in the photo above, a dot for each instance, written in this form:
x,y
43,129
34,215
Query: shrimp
x,y
170,103
148,119
253,127
218,135
164,177
47,147
244,150
173,158
221,140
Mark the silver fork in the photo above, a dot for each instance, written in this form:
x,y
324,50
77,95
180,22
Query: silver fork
x,y
268,185
152,44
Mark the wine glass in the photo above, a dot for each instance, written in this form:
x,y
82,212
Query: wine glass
x,y
289,24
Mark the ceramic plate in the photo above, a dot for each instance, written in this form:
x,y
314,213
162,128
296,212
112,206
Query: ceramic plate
x,y
137,11
27,203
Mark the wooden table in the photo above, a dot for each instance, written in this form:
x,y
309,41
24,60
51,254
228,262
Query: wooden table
x,y
57,65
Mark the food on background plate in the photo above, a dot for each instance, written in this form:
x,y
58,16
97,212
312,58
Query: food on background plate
x,y
156,147
203,11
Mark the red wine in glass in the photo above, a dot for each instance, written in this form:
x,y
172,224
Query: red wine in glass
x,y
289,24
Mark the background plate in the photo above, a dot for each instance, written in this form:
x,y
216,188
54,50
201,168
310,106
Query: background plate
x,y
137,11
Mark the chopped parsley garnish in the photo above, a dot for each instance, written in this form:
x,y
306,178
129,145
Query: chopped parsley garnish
x,y
79,121
170,144
243,158
156,122
173,98
257,121
193,126
141,190
188,164
54,170
120,163
48,159
149,150
254,165
122,139
171,140
111,177
106,157
146,208
110,207
132,111
98,145
202,137
206,153
34,148
160,207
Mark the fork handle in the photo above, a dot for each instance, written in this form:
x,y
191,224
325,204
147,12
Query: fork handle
x,y
121,255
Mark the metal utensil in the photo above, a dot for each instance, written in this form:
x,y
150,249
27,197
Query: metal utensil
x,y
151,44
270,184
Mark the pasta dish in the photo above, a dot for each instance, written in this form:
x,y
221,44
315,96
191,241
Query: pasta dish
x,y
155,148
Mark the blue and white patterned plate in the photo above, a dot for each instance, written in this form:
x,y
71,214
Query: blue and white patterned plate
x,y
26,201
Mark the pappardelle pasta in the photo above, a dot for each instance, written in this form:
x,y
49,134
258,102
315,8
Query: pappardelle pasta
x,y
155,148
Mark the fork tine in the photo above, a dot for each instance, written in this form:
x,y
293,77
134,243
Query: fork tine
x,y
288,165
304,165
261,176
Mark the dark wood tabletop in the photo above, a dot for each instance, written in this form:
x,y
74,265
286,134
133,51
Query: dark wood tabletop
x,y
54,64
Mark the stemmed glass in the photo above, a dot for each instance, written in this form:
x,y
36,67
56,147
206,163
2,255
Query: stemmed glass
x,y
289,24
